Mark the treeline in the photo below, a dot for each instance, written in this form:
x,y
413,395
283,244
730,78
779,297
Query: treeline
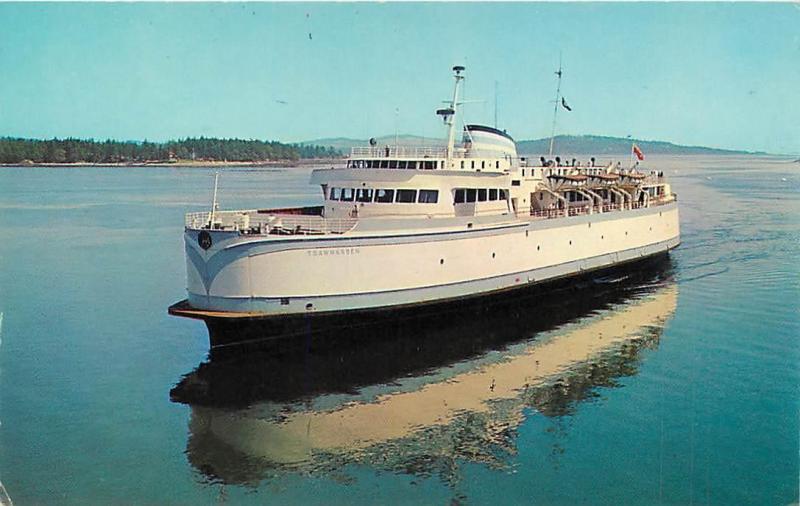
x,y
15,150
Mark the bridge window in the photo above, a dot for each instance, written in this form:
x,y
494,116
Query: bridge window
x,y
493,194
482,195
461,196
462,164
473,164
406,196
333,194
503,194
515,182
412,165
497,164
348,194
483,164
401,164
471,194
428,196
384,196
392,164
364,195
384,164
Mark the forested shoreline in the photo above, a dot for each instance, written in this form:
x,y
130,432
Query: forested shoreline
x,y
200,149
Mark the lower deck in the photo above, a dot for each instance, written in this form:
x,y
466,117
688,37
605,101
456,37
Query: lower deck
x,y
310,221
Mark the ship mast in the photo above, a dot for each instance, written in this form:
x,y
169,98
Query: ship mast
x,y
555,109
448,114
213,202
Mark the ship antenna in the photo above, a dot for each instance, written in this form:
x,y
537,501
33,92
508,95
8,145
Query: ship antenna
x,y
555,109
213,202
495,104
396,114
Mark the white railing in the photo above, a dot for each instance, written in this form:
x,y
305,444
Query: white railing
x,y
400,152
654,179
581,210
260,223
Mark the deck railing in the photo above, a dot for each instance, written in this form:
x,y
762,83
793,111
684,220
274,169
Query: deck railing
x,y
259,222
400,152
581,210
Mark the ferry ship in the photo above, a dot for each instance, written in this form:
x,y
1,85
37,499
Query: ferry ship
x,y
405,227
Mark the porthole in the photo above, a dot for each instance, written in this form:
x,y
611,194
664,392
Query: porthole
x,y
526,233
309,306
441,261
538,248
602,237
626,232
590,225
492,255
570,243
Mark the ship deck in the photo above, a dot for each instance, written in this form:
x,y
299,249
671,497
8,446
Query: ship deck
x,y
308,221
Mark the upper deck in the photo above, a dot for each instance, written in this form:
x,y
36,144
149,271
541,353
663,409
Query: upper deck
x,y
482,149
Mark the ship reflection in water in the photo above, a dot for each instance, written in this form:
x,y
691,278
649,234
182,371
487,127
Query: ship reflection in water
x,y
420,395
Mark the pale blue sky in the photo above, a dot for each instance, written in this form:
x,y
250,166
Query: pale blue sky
x,y
724,75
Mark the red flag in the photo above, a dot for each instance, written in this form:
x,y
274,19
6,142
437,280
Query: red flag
x,y
638,152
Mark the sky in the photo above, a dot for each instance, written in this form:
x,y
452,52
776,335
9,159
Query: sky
x,y
718,74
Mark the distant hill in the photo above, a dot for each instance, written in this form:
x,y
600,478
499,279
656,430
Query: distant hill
x,y
564,144
603,145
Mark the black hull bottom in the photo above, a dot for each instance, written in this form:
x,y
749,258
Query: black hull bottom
x,y
547,296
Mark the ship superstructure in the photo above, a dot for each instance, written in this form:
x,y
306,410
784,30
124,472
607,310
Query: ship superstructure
x,y
404,225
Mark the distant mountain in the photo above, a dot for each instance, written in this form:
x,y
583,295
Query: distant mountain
x,y
563,145
603,145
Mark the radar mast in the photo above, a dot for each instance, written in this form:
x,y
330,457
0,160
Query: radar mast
x,y
448,114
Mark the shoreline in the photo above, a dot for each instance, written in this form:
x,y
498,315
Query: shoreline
x,y
187,163
316,162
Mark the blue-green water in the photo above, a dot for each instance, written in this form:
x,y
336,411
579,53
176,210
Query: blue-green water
x,y
695,403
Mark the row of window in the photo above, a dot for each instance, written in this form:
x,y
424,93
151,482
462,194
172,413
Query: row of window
x,y
483,164
479,195
394,164
412,164
384,196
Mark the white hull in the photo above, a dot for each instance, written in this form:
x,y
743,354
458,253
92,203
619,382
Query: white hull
x,y
460,257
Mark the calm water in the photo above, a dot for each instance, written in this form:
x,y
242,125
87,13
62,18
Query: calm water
x,y
678,387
